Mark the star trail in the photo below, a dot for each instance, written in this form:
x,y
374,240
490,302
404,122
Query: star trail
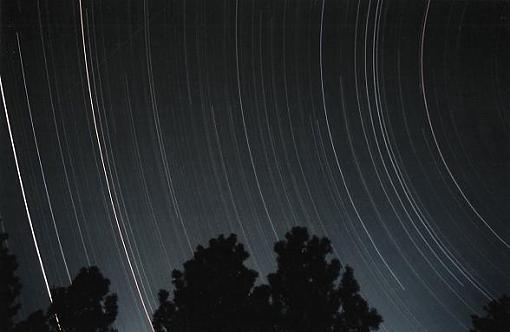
x,y
132,131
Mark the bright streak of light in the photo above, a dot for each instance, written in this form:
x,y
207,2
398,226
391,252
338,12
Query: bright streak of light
x,y
372,242
105,172
22,187
440,152
43,175
246,131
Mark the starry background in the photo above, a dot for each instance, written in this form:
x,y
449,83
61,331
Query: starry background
x,y
143,128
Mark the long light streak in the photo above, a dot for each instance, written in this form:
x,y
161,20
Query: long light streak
x,y
114,209
23,194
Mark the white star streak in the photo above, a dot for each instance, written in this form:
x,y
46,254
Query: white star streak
x,y
388,148
406,211
114,209
43,175
244,124
436,143
22,187
268,127
338,163
61,154
142,176
155,112
230,194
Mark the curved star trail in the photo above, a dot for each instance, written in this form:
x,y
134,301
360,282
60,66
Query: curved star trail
x,y
134,131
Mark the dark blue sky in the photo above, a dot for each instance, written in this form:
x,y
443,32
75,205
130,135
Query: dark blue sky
x,y
143,128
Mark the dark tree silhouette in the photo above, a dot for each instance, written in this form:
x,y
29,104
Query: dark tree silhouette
x,y
35,322
86,305
496,319
164,315
10,286
211,293
262,314
215,291
304,289
355,315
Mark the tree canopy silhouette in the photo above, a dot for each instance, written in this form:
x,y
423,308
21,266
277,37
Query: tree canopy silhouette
x,y
84,306
496,319
10,286
305,293
354,313
35,322
216,291
211,293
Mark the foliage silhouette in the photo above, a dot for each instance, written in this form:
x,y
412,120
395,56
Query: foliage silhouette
x,y
10,286
35,322
355,315
262,313
86,305
304,290
164,315
216,292
497,318
211,293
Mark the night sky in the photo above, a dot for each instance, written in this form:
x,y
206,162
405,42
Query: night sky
x,y
143,128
